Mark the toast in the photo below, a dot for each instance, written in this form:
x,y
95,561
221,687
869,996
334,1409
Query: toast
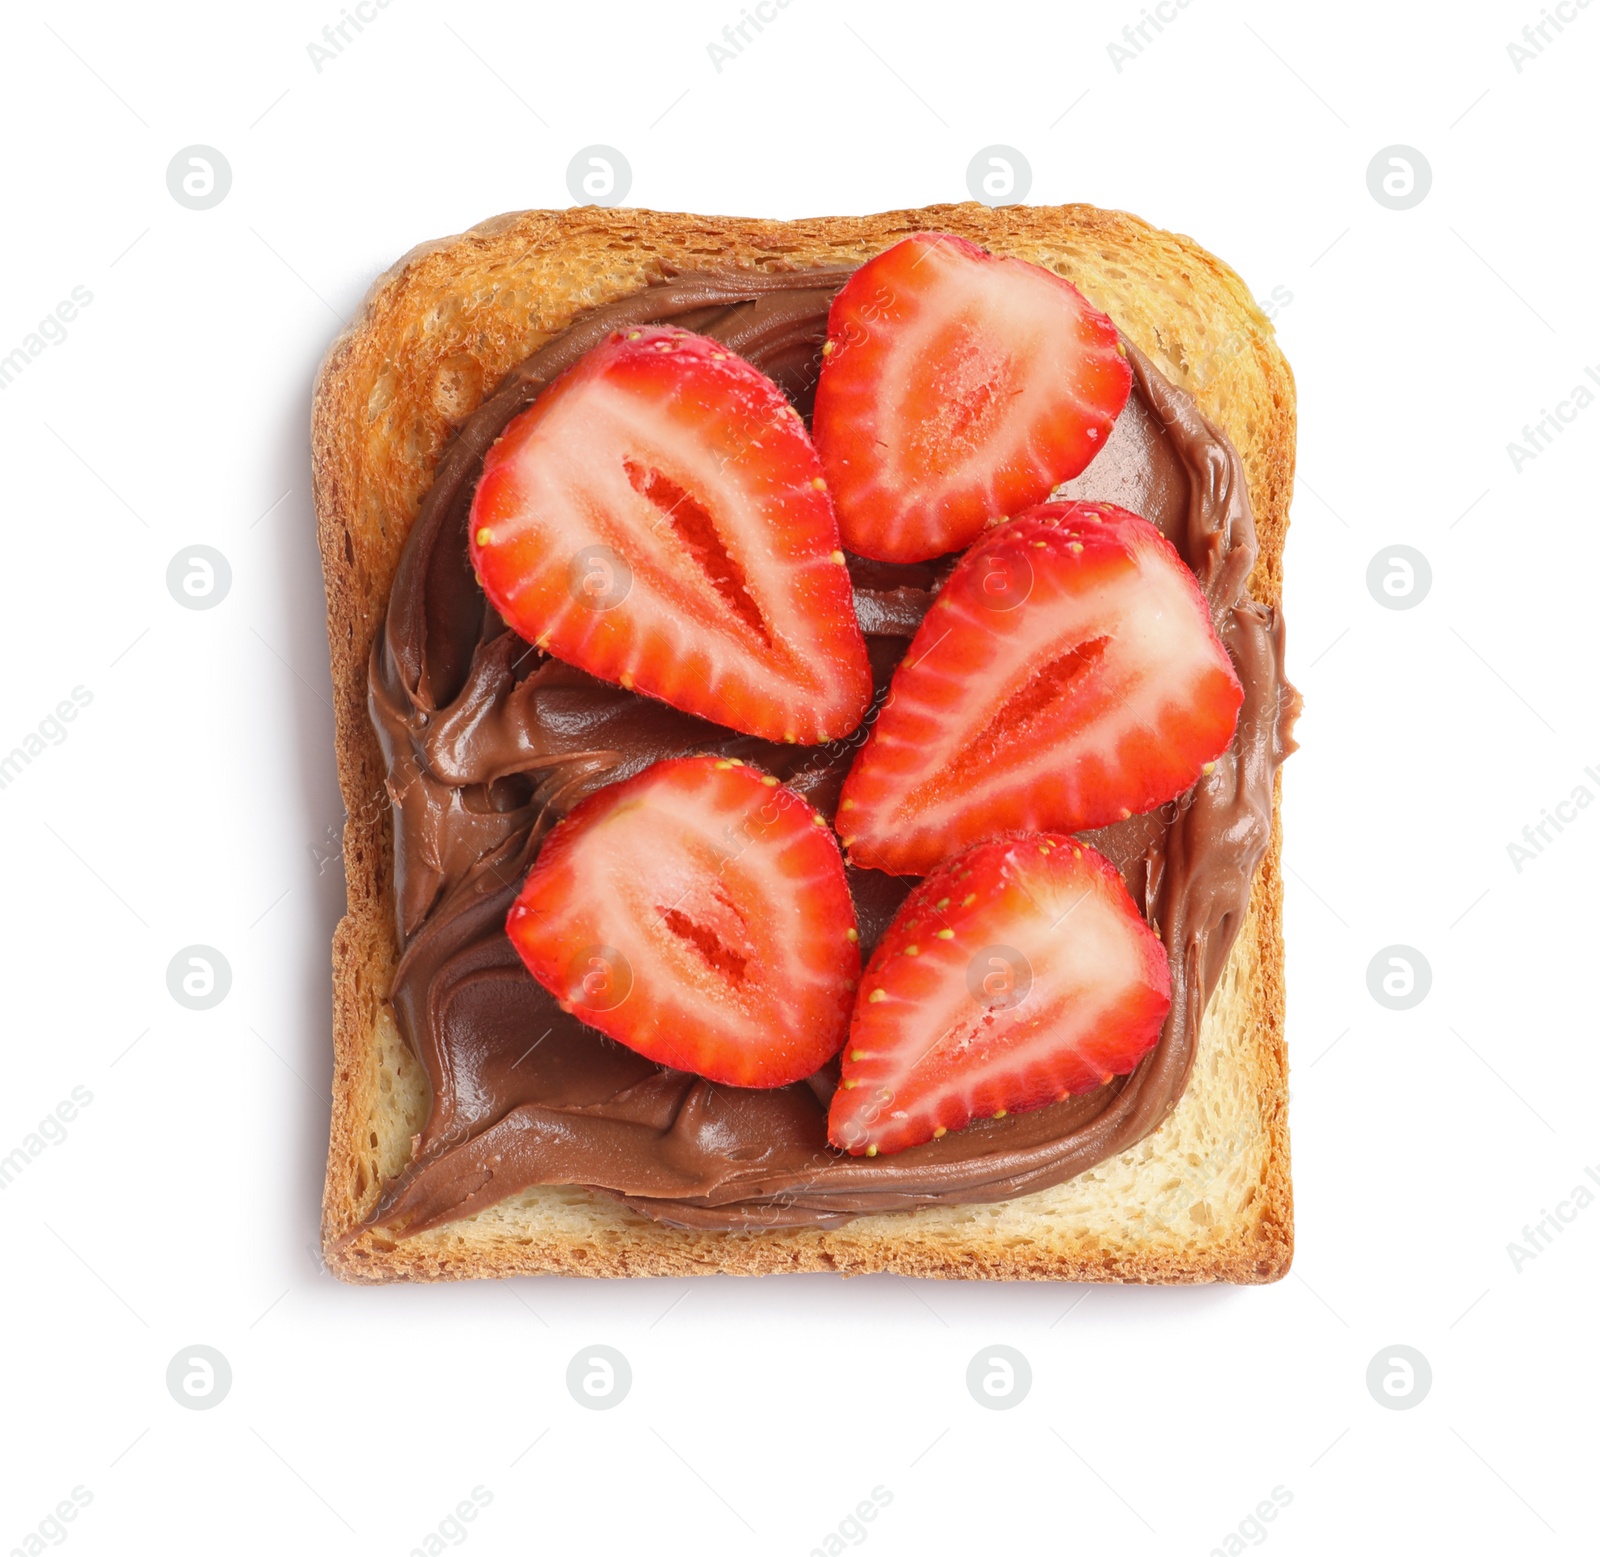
x,y
1207,1196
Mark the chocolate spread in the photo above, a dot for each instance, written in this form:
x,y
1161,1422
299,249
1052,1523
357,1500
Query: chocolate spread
x,y
489,742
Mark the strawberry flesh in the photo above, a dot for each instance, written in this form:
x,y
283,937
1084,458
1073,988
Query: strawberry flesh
x,y
1016,975
1067,676
658,518
957,387
698,913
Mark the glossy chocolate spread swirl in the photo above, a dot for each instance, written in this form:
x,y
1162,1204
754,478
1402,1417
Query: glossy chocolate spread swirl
x,y
489,742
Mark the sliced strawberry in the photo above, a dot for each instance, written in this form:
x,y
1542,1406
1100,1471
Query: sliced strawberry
x,y
1017,974
698,913
658,518
1067,676
957,388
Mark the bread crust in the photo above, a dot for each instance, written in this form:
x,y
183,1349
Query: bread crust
x,y
1207,1197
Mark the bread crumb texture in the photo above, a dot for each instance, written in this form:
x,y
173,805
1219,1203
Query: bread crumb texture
x,y
1207,1197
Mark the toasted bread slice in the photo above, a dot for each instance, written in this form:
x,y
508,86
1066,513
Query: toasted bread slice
x,y
1207,1196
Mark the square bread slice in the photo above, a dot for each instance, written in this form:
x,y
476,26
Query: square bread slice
x,y
1206,1197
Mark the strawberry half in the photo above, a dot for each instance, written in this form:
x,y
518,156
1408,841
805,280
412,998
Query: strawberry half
x,y
697,913
658,518
1018,974
1067,676
957,388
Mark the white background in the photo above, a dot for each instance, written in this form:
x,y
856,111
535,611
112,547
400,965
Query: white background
x,y
190,800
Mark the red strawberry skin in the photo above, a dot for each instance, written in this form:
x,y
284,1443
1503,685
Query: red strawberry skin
x,y
1017,974
957,387
1068,676
658,517
697,913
